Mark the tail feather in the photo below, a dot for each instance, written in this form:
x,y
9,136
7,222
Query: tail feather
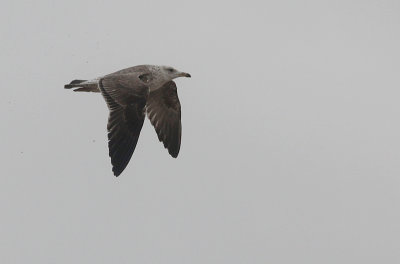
x,y
87,89
83,86
77,81
74,83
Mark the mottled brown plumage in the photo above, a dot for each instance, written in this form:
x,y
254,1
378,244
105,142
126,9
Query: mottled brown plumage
x,y
129,94
126,98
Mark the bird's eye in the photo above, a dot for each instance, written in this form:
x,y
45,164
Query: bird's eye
x,y
170,70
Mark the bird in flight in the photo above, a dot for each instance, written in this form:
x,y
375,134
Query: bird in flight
x,y
130,94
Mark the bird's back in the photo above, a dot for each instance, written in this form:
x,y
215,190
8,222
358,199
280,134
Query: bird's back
x,y
139,68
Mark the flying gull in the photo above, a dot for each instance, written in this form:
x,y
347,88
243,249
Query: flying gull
x,y
130,94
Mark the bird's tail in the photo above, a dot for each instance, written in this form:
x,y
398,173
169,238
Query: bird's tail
x,y
82,86
74,83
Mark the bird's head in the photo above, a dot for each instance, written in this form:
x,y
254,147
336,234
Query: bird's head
x,y
171,73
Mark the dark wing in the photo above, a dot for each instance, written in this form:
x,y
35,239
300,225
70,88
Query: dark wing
x,y
126,97
164,111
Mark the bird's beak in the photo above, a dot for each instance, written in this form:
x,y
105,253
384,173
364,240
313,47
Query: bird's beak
x,y
184,74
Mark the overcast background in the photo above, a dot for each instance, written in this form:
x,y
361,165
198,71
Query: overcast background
x,y
291,133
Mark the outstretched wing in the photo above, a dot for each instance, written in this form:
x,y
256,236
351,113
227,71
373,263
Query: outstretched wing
x,y
126,97
164,111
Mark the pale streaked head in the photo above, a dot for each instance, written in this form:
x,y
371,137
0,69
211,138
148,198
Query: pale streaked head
x,y
171,73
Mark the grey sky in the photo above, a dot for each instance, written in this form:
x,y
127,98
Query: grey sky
x,y
291,136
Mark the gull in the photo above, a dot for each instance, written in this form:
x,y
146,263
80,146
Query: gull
x,y
130,94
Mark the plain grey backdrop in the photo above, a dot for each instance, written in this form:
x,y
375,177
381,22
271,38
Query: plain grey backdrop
x,y
291,136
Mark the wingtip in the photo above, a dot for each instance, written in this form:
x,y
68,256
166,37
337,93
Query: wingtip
x,y
117,173
174,154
